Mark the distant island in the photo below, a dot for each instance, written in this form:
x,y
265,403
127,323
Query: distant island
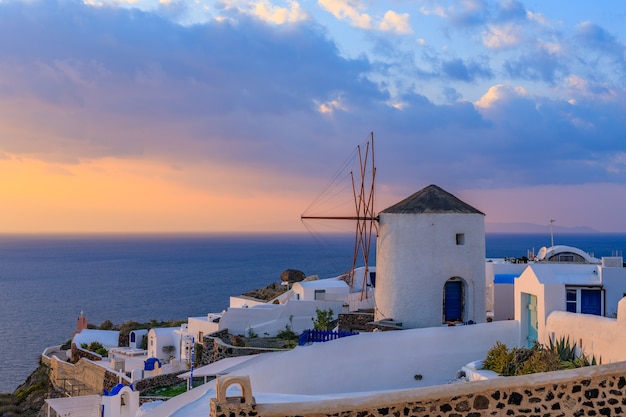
x,y
535,228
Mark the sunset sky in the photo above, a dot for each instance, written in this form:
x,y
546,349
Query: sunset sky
x,y
219,116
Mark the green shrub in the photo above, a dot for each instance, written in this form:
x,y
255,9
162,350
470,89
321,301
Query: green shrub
x,y
106,325
323,319
287,334
95,347
562,348
539,358
498,359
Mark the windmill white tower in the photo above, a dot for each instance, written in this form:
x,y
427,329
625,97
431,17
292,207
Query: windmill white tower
x,y
430,261
430,254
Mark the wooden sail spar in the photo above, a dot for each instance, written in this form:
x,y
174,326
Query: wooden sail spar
x,y
365,215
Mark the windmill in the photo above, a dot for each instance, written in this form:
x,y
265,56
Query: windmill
x,y
365,217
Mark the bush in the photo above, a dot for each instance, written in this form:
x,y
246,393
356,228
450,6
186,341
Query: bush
x,y
563,350
323,319
287,334
95,347
539,358
498,359
542,360
106,325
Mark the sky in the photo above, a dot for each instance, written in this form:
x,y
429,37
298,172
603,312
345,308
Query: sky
x,y
234,116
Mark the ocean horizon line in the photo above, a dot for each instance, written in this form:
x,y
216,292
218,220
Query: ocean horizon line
x,y
271,234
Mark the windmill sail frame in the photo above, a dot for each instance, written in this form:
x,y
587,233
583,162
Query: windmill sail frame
x,y
366,219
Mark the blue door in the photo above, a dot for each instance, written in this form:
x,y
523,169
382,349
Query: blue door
x,y
453,301
591,302
533,325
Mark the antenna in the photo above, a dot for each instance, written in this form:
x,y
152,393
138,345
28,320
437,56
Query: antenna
x,y
551,233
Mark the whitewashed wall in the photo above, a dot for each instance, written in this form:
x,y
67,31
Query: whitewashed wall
x,y
204,325
417,254
603,337
502,295
550,297
272,318
369,361
614,283
139,334
159,338
306,289
243,301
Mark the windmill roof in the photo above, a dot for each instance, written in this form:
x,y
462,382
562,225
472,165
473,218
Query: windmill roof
x,y
432,199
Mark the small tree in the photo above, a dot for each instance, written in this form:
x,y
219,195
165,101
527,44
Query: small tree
x,y
323,319
95,347
106,325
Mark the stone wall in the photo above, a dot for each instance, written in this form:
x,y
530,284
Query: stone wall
x,y
354,322
590,391
78,353
208,346
82,378
216,346
165,380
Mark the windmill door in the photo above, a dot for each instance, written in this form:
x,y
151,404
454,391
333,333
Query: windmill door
x,y
453,301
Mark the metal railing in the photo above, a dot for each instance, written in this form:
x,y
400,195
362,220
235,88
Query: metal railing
x,y
315,336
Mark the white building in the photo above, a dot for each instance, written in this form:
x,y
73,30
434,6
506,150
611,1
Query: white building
x,y
431,271
135,338
321,289
583,288
164,343
295,308
198,327
107,338
431,261
122,401
500,281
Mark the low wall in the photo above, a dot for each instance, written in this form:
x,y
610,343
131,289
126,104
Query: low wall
x,y
78,353
590,391
216,348
273,318
82,378
165,380
354,322
602,337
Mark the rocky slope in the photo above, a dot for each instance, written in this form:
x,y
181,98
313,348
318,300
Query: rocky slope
x,y
28,399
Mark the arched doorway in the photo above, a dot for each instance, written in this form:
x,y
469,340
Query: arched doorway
x,y
454,301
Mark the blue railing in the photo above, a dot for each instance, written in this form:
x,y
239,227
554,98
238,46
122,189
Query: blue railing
x,y
314,336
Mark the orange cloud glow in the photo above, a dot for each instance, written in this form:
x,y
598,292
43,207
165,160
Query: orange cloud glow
x,y
132,196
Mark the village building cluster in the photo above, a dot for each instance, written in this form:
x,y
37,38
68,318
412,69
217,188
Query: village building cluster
x,y
435,304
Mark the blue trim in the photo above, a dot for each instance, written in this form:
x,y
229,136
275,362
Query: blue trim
x,y
505,278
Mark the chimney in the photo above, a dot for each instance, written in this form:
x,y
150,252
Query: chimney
x,y
82,323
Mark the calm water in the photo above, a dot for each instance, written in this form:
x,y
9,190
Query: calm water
x,y
46,281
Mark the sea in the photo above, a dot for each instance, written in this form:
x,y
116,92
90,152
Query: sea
x,y
48,281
